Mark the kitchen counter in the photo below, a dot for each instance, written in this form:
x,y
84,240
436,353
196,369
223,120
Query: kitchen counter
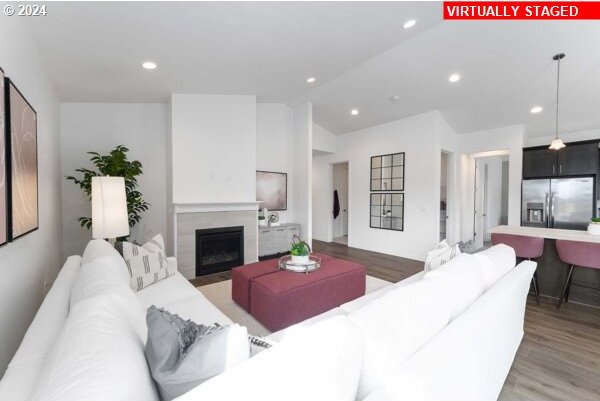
x,y
548,233
552,272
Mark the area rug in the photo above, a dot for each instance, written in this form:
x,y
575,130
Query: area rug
x,y
219,294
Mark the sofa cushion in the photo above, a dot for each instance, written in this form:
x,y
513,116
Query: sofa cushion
x,y
199,309
102,277
24,368
358,303
182,354
97,357
464,282
171,289
470,359
178,295
318,362
494,263
98,248
396,325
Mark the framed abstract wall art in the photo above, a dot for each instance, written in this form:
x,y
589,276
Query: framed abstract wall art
x,y
271,190
3,186
22,164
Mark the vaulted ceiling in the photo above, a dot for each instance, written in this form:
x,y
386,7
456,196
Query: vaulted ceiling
x,y
359,53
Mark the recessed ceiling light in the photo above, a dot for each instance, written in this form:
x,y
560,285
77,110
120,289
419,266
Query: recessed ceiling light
x,y
454,78
395,98
149,65
409,24
536,109
354,112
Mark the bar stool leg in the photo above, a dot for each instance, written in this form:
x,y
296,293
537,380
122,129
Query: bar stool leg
x,y
566,286
536,290
568,289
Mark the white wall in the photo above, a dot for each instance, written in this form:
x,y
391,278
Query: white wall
x,y
274,146
100,127
323,140
566,136
213,148
417,137
35,258
302,174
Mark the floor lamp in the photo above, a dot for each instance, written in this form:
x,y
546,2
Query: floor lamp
x,y
110,219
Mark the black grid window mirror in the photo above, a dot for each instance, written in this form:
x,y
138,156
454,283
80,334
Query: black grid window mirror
x,y
387,172
387,211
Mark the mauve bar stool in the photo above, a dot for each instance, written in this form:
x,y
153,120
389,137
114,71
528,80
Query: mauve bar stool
x,y
525,248
580,254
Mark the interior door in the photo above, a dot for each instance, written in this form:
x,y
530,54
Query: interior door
x,y
478,230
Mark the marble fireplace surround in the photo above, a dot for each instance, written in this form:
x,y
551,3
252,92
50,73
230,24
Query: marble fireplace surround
x,y
190,217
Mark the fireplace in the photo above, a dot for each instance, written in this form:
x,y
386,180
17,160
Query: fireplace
x,y
219,249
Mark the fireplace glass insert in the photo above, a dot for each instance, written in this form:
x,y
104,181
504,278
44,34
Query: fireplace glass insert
x,y
219,249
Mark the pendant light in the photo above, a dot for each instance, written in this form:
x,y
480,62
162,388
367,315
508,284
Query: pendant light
x,y
557,143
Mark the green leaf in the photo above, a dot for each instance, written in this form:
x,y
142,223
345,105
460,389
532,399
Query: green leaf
x,y
114,164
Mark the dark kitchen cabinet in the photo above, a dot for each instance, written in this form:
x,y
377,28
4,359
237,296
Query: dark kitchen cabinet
x,y
578,159
539,163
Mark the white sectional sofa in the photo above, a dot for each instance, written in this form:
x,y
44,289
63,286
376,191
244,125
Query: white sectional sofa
x,y
450,334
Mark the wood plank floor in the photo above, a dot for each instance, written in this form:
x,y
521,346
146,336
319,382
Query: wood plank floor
x,y
559,358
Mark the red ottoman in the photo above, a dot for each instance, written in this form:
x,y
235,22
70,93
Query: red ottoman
x,y
243,275
281,299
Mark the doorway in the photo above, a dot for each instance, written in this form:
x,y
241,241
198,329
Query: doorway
x,y
491,196
444,173
340,212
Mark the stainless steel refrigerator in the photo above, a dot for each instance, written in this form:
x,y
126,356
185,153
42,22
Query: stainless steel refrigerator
x,y
558,203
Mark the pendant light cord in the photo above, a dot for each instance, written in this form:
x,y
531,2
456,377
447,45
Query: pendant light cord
x,y
557,91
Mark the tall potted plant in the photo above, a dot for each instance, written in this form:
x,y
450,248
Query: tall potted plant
x,y
114,164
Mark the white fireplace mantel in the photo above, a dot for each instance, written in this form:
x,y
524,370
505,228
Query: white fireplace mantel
x,y
206,207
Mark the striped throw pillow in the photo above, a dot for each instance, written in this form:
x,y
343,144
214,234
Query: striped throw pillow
x,y
146,264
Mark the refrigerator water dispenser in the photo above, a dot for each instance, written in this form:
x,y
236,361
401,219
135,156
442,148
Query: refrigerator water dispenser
x,y
535,212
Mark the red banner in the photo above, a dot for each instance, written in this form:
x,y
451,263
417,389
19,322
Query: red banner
x,y
521,10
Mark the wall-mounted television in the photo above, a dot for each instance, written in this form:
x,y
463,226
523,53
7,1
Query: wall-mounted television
x,y
271,190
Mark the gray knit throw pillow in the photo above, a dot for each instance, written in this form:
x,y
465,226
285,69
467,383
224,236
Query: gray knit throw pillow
x,y
182,354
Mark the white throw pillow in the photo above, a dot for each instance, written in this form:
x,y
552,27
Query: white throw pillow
x,y
442,253
147,264
97,357
102,278
396,326
317,362
464,282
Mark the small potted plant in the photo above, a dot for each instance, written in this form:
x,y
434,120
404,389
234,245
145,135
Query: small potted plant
x,y
299,251
262,221
594,226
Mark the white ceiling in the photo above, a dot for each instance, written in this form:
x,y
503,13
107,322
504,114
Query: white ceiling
x,y
358,51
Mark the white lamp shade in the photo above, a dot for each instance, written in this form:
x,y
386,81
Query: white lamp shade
x,y
557,144
109,208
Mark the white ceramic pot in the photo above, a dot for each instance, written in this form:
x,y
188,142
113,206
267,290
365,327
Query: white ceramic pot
x,y
262,223
301,260
594,229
